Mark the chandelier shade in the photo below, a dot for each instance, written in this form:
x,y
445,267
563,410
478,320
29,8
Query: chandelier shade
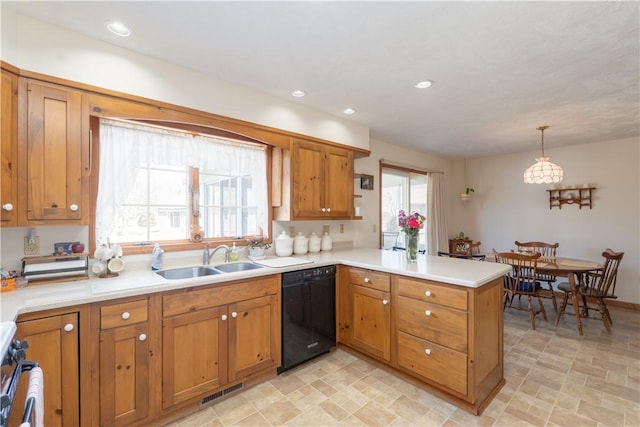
x,y
543,171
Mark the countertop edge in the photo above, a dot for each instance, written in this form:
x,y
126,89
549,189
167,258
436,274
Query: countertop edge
x,y
35,298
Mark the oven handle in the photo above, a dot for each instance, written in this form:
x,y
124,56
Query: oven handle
x,y
8,394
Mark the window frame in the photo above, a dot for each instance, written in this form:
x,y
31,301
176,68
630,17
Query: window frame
x,y
131,248
408,171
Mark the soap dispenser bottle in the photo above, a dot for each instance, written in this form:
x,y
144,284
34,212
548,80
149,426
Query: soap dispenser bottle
x,y
156,257
234,255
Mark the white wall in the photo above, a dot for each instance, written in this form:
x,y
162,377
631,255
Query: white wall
x,y
36,46
367,231
504,208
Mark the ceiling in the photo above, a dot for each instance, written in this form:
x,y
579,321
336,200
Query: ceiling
x,y
499,69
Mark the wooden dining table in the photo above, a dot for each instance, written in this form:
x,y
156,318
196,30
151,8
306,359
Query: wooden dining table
x,y
570,268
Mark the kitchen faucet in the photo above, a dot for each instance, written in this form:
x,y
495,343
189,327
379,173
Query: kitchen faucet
x,y
206,256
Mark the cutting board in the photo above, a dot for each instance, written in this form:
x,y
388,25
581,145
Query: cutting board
x,y
283,262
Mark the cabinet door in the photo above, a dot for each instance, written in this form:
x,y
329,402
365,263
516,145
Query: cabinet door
x,y
53,343
194,354
254,332
338,194
371,324
9,149
52,165
124,374
308,180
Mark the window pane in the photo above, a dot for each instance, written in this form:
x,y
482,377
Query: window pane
x,y
144,191
401,190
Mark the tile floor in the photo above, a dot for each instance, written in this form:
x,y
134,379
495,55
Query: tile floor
x,y
554,378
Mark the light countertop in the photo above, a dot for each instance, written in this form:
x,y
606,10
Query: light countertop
x,y
143,281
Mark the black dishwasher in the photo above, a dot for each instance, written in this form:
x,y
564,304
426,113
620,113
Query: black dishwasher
x,y
308,314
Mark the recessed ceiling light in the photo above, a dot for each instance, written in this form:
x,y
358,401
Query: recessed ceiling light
x,y
349,111
298,93
424,84
118,28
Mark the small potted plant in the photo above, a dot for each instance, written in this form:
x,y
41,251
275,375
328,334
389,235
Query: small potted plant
x,y
466,194
257,246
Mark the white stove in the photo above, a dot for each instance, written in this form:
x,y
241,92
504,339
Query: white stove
x,y
7,332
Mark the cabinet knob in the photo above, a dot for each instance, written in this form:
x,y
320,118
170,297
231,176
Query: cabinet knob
x,y
234,314
385,301
328,209
223,317
367,280
323,210
427,293
427,313
68,327
73,207
142,337
7,207
126,315
427,351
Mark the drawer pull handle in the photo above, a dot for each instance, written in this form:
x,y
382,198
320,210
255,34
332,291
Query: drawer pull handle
x,y
7,207
68,327
427,293
427,313
234,314
142,337
73,207
385,301
427,351
367,280
224,317
126,315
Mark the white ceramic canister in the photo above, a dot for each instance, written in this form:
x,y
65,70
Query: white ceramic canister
x,y
327,242
315,243
300,244
284,245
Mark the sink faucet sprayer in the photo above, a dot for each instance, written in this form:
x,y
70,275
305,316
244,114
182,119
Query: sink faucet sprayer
x,y
206,256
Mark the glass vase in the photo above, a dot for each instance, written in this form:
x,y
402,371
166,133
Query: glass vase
x,y
411,248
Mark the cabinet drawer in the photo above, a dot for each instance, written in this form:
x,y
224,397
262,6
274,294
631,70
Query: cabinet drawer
x,y
425,290
206,297
433,362
125,313
370,279
433,322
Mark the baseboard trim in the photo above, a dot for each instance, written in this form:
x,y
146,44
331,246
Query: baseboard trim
x,y
623,304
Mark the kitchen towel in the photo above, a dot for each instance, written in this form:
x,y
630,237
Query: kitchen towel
x,y
283,262
35,390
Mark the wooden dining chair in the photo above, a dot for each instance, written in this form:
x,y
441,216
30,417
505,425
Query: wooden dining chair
x,y
522,282
598,286
546,251
475,257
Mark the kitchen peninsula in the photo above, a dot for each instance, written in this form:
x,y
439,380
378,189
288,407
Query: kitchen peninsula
x,y
437,322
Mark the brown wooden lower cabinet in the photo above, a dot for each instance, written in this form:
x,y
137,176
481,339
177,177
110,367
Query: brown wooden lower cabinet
x,y
217,336
124,361
367,312
54,344
448,337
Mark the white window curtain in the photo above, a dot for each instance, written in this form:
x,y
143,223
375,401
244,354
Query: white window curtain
x,y
437,238
123,146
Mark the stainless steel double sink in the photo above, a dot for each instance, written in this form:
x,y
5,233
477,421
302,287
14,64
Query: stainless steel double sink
x,y
204,270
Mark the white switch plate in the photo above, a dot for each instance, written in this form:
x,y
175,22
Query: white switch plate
x,y
32,247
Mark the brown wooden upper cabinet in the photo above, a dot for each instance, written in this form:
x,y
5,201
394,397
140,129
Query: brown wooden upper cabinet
x,y
9,150
53,156
315,182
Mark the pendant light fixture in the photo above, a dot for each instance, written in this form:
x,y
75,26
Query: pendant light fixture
x,y
543,171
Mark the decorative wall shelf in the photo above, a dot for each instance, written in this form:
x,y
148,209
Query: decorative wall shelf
x,y
580,196
357,196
